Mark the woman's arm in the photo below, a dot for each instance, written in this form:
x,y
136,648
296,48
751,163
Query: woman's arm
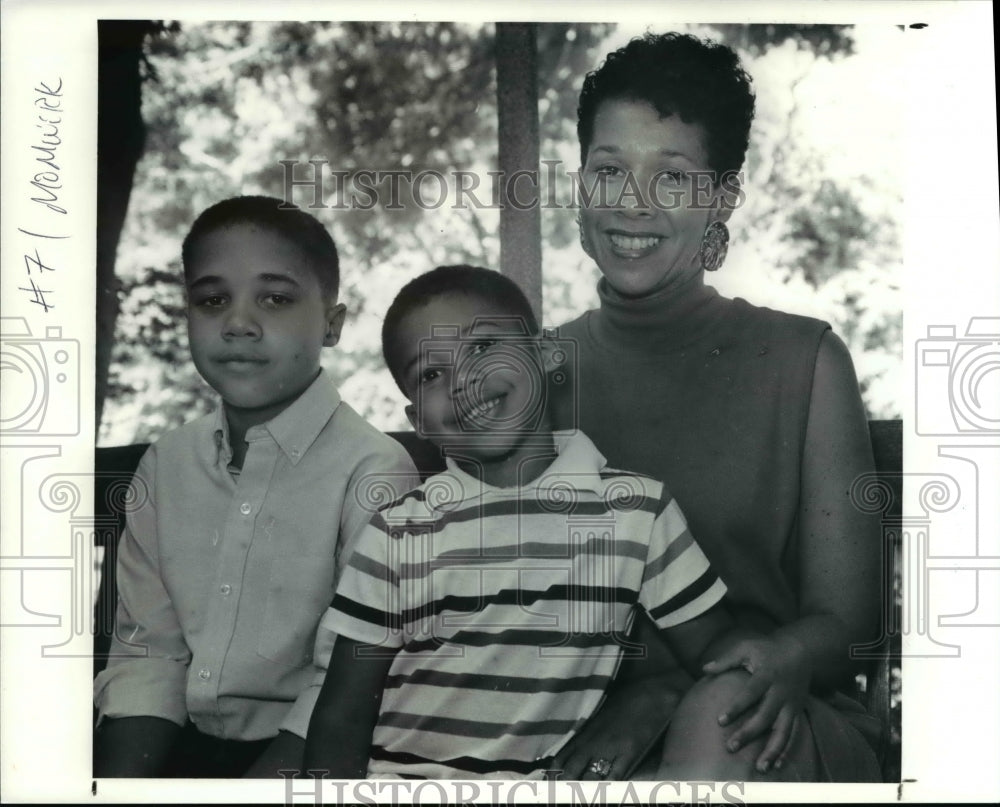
x,y
343,721
839,557
840,552
636,712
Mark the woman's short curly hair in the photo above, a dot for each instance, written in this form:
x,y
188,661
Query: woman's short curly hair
x,y
701,81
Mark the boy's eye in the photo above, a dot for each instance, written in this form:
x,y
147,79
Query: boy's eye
x,y
476,348
608,171
430,374
210,301
673,175
276,300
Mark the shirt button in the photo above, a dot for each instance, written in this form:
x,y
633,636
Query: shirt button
x,y
245,508
204,675
295,453
225,588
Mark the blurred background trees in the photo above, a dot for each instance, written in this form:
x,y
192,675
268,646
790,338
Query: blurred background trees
x,y
224,103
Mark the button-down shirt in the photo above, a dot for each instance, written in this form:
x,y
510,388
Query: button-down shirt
x,y
223,577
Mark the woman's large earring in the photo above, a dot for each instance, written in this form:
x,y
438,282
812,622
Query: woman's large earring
x,y
714,246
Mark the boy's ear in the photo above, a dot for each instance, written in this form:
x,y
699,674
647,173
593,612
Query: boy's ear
x,y
411,415
335,314
552,356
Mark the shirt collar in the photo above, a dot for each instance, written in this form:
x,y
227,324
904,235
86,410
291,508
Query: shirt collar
x,y
220,430
578,466
295,429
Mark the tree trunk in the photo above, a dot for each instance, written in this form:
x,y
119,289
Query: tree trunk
x,y
121,134
517,133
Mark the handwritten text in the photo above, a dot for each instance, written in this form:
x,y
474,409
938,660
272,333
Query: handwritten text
x,y
46,182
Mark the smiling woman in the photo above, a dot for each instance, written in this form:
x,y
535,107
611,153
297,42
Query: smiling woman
x,y
640,159
751,417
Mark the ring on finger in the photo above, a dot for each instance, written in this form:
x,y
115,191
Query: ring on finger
x,y
600,767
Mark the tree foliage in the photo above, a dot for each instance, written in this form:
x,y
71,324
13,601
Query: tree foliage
x,y
226,103
757,39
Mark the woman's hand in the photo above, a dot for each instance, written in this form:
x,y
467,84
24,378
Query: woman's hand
x,y
773,697
628,724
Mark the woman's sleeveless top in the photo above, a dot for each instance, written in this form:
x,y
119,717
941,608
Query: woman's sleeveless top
x,y
710,396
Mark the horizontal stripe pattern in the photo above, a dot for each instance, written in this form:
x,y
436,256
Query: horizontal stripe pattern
x,y
472,728
462,767
519,597
495,683
510,614
506,638
391,521
593,545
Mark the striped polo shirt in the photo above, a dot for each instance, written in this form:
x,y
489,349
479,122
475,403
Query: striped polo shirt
x,y
508,609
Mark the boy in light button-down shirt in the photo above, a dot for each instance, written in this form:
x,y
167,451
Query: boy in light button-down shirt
x,y
244,517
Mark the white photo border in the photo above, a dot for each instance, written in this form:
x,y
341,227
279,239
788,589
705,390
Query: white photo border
x,y
951,704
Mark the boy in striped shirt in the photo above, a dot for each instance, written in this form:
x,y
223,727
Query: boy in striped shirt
x,y
484,614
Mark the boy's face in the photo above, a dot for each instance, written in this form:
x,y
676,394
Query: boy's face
x,y
473,375
257,319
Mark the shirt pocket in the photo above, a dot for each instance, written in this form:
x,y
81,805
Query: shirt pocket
x,y
299,591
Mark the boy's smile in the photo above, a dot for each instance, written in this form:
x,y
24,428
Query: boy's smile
x,y
476,381
257,320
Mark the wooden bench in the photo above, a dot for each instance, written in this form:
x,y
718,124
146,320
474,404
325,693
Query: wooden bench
x,y
114,468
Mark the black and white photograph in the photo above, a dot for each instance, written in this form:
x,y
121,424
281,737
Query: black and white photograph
x,y
500,405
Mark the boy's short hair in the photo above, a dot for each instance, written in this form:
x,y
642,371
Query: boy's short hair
x,y
474,281
274,215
